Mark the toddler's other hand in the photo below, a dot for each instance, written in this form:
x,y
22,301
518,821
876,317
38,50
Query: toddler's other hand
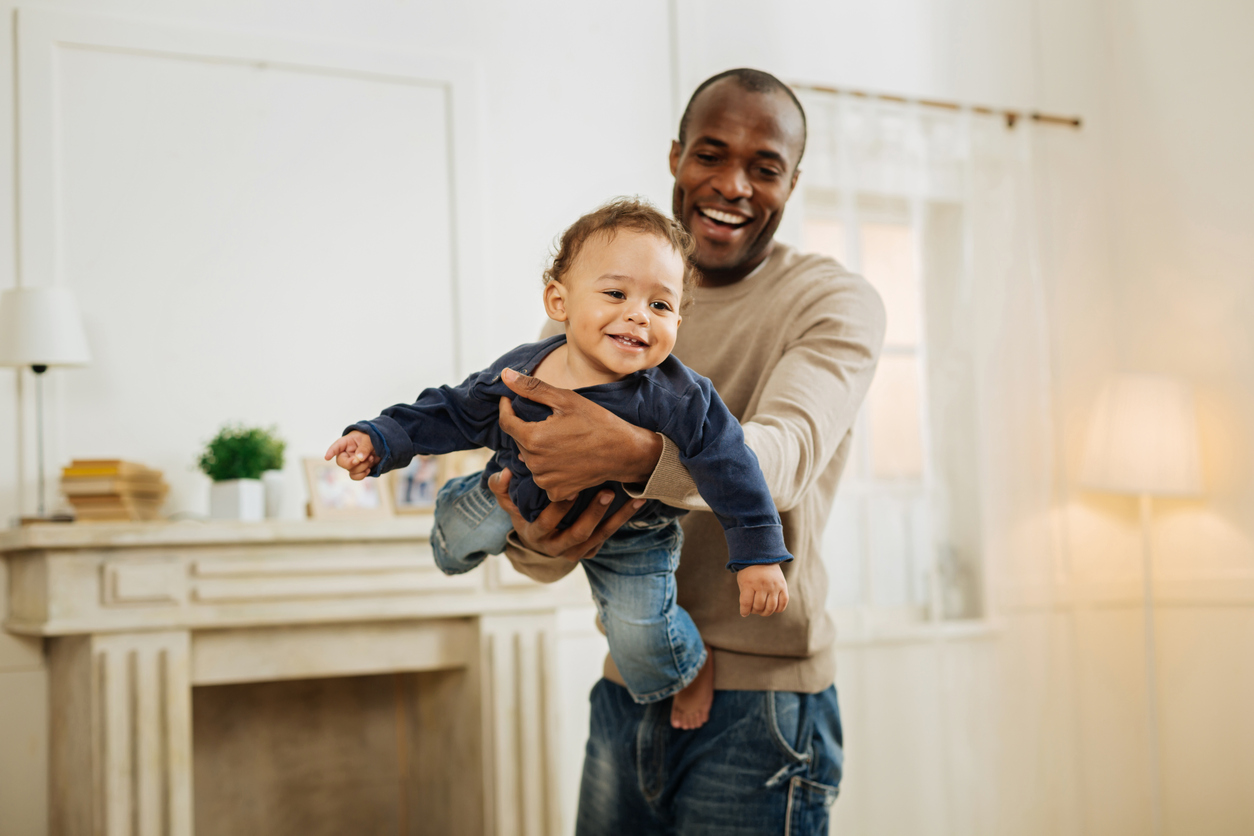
x,y
763,590
355,453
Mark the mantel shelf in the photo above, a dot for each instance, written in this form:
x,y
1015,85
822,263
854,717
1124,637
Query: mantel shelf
x,y
129,535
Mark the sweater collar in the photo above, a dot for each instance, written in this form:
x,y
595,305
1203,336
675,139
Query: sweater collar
x,y
734,291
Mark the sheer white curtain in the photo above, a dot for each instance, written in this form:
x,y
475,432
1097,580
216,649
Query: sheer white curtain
x,y
951,481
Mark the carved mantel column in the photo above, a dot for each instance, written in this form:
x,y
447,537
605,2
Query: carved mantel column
x,y
121,737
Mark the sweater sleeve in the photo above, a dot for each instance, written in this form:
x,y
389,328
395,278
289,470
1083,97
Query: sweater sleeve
x,y
711,447
441,420
807,406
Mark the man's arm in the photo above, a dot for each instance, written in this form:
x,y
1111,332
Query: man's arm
x,y
605,447
807,407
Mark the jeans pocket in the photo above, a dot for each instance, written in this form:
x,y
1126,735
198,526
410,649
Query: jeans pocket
x,y
808,805
774,711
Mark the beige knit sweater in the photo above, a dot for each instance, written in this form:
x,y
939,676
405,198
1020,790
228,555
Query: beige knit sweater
x,y
792,350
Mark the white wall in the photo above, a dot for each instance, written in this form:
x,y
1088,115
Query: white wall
x,y
1182,165
1037,728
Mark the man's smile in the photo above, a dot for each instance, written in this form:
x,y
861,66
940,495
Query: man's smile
x,y
722,218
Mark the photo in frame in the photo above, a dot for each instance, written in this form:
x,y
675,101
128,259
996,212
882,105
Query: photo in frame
x,y
335,496
414,486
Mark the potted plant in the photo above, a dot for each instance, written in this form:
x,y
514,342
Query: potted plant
x,y
235,460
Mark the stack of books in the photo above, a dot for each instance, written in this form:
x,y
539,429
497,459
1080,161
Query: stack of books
x,y
111,489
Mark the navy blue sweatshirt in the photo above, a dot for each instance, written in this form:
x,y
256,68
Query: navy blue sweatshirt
x,y
670,399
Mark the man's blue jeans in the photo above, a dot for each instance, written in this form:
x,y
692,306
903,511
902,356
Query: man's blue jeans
x,y
653,641
767,762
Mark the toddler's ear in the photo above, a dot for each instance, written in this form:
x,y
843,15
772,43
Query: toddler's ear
x,y
555,301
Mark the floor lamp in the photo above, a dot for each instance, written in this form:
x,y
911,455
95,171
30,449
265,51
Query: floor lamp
x,y
1144,441
40,327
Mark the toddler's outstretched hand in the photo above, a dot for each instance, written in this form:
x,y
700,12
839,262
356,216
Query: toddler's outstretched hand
x,y
763,590
355,453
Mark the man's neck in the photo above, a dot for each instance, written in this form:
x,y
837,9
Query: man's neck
x,y
732,275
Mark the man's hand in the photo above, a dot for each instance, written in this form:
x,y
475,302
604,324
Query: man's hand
x,y
763,590
581,445
583,539
355,453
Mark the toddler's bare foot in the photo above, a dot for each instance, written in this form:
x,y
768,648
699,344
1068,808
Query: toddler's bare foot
x,y
691,706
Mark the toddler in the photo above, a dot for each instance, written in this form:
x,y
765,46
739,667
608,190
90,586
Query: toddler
x,y
618,281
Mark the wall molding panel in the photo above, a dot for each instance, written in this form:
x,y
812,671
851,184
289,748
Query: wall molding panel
x,y
304,166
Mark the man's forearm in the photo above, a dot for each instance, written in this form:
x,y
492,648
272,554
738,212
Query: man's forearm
x,y
639,457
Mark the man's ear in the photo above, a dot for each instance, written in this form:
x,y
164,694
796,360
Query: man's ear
x,y
555,301
796,173
676,150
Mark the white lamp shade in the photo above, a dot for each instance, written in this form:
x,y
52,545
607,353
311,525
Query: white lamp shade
x,y
1143,439
40,326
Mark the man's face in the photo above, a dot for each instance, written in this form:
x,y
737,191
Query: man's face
x,y
734,175
620,302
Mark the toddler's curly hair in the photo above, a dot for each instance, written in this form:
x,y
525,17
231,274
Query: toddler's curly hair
x,y
620,213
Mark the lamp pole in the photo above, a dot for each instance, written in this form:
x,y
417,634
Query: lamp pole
x,y
39,369
1151,675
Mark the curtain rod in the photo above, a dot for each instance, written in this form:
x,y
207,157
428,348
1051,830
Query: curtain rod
x,y
1011,116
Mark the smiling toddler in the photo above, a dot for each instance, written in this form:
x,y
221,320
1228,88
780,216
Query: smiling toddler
x,y
619,282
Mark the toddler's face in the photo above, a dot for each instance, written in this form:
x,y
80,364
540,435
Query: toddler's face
x,y
620,302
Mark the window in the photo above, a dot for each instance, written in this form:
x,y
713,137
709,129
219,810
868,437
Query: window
x,y
884,192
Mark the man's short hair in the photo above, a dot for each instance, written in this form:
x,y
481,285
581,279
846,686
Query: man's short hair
x,y
753,81
621,213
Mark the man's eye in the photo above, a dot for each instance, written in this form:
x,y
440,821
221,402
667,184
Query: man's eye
x,y
615,294
707,158
768,173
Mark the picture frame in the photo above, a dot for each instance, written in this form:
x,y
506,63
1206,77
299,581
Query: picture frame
x,y
333,495
414,486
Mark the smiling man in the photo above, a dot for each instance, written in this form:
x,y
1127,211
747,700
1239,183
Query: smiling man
x,y
790,341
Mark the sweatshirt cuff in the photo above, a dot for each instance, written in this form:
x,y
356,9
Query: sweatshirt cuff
x,y
755,545
671,482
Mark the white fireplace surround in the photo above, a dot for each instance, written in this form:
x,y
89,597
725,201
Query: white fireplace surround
x,y
136,615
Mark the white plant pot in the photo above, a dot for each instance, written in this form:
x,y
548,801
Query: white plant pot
x,y
273,482
237,499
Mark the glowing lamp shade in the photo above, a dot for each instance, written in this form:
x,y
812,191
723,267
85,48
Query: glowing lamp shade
x,y
1143,439
40,326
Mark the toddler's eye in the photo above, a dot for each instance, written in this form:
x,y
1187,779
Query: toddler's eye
x,y
660,306
615,294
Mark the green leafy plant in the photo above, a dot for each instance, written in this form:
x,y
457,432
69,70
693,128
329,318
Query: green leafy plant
x,y
239,452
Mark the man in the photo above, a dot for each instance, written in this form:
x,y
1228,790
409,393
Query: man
x,y
791,342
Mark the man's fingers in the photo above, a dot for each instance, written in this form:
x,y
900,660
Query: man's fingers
x,y
534,389
498,483
583,528
611,524
509,421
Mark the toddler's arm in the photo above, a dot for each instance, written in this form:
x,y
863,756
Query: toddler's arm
x,y
355,453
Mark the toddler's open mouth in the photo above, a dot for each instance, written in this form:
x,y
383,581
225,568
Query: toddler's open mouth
x,y
627,341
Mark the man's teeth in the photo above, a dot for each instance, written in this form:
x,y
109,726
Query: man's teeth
x,y
723,217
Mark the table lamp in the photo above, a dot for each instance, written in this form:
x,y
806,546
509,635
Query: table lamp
x,y
40,327
1144,441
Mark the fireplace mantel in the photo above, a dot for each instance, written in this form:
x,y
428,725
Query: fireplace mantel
x,y
136,615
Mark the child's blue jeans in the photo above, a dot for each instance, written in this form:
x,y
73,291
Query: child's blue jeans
x,y
655,646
